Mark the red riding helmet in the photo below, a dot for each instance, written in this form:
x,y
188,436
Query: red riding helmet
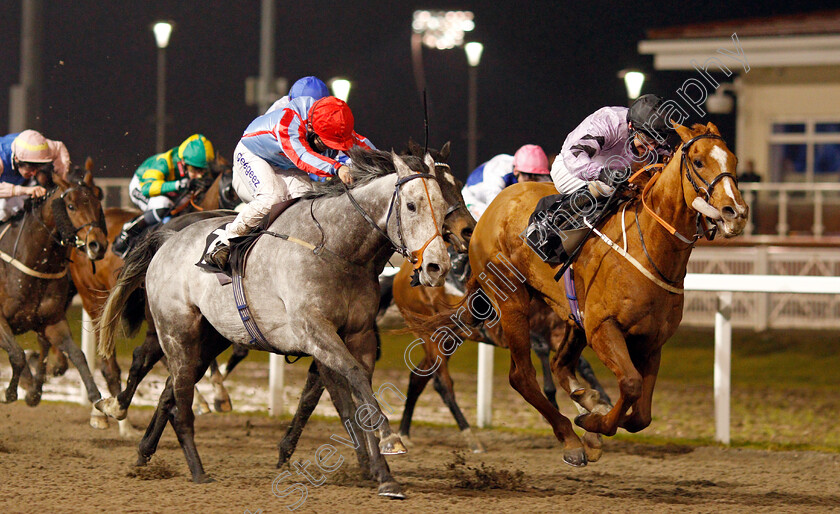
x,y
332,120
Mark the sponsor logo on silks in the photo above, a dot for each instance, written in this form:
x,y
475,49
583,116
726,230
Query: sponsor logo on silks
x,y
249,172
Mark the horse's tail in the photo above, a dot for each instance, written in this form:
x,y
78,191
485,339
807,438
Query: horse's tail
x,y
451,316
126,301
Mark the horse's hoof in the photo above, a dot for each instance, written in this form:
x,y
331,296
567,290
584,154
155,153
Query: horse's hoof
x,y
33,399
576,457
201,408
98,420
391,490
11,395
111,407
472,441
223,405
129,432
407,442
593,445
392,445
587,422
203,478
142,460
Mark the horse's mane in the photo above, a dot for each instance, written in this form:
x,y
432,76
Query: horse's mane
x,y
365,166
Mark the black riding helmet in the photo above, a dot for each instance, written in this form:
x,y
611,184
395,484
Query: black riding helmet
x,y
646,118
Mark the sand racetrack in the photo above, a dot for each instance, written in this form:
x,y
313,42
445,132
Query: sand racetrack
x,y
51,461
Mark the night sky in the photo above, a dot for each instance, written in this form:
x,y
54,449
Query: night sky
x,y
546,65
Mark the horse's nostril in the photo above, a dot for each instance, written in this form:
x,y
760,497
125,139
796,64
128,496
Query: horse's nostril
x,y
94,246
466,234
433,268
728,212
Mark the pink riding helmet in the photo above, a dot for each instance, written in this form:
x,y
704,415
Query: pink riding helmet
x,y
31,146
531,159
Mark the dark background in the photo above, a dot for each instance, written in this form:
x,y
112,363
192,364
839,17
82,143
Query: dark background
x,y
546,65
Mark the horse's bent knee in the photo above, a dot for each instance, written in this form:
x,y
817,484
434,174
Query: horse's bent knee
x,y
631,388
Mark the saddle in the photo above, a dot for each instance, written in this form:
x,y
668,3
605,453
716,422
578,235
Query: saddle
x,y
556,228
240,246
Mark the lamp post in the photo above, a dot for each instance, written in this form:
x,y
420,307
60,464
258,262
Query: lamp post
x,y
162,31
633,81
340,88
436,29
473,50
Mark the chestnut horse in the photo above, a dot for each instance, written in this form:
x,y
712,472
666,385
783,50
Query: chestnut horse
x,y
93,283
420,301
631,297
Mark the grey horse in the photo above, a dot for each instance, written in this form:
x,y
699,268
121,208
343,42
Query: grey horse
x,y
322,303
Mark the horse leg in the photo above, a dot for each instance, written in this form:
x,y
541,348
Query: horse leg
x,y
57,363
238,355
34,384
344,405
221,398
328,348
143,360
515,326
543,351
417,380
446,389
59,335
186,370
17,359
148,445
641,415
588,374
309,398
610,346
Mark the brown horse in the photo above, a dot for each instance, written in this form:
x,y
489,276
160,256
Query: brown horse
x,y
421,301
34,287
631,299
93,283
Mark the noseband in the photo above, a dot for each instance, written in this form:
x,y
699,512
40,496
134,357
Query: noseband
x,y
416,256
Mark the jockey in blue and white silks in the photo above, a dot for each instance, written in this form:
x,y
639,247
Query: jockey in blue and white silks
x,y
279,156
489,179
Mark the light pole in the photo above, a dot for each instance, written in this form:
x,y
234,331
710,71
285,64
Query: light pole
x,y
436,29
473,50
162,31
633,81
340,88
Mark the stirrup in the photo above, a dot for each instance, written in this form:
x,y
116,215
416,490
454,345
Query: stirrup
x,y
120,245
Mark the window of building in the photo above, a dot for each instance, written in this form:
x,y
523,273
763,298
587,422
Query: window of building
x,y
805,151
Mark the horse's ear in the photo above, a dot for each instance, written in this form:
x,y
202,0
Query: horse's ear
x,y
430,163
59,181
712,129
444,152
413,148
89,164
684,132
402,168
89,179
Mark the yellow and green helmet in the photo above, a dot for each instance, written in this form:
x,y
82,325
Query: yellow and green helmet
x,y
196,151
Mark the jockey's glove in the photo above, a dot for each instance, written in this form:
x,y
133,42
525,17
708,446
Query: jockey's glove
x,y
599,189
183,184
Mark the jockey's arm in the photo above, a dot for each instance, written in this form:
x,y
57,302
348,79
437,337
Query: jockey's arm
x,y
9,190
590,138
61,159
153,183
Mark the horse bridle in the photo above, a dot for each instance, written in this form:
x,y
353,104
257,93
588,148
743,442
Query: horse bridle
x,y
71,236
455,206
416,256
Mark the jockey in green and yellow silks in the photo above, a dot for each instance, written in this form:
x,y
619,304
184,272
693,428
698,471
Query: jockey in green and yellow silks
x,y
160,181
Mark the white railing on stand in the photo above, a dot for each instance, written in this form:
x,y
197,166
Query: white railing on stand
x,y
724,285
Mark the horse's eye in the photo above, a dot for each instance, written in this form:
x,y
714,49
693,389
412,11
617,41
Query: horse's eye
x,y
698,163
71,207
411,207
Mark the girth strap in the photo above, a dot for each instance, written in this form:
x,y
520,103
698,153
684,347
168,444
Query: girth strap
x,y
26,269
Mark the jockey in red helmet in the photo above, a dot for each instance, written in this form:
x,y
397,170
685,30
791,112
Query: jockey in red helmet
x,y
280,154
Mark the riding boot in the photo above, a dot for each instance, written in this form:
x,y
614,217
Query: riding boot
x,y
130,230
218,252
